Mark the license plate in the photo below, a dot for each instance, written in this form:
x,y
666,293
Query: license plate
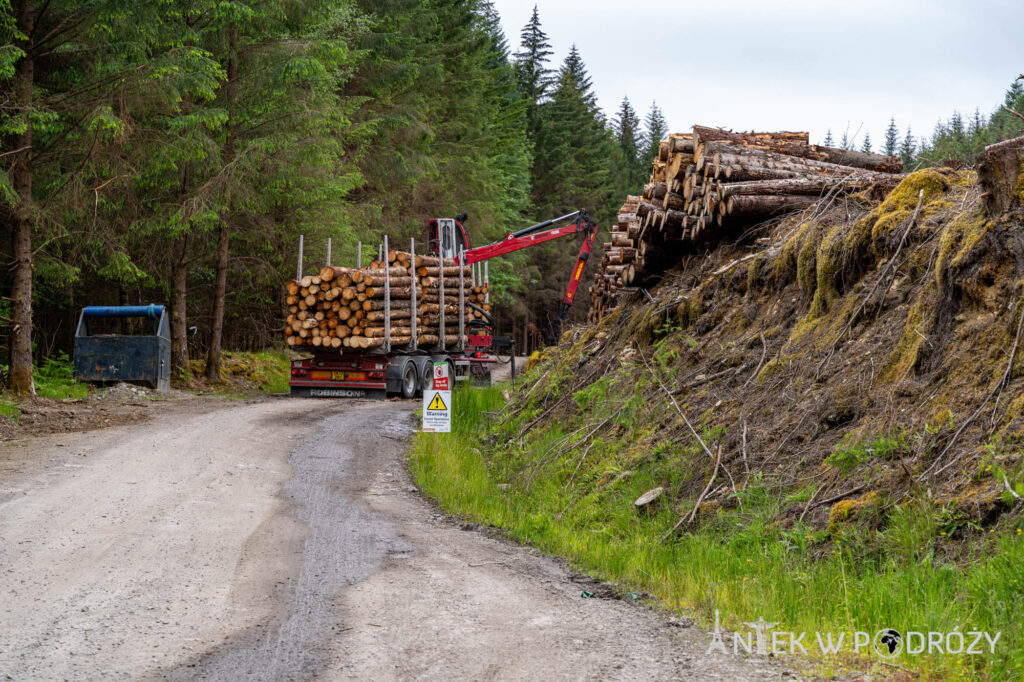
x,y
335,393
339,375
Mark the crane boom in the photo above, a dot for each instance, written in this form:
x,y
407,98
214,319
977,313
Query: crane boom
x,y
532,236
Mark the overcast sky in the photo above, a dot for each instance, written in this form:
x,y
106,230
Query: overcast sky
x,y
789,64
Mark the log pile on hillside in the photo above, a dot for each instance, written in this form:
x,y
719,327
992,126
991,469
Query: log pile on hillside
x,y
346,308
709,180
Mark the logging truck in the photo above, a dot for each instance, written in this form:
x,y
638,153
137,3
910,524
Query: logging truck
x,y
377,331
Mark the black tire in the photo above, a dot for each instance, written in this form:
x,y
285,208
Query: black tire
x,y
409,381
426,376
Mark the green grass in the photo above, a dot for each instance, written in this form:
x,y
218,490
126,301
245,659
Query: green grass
x,y
270,370
740,560
244,373
54,378
9,409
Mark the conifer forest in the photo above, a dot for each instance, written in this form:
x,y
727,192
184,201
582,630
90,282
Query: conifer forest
x,y
173,152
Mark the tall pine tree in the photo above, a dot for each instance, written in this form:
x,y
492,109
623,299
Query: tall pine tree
x,y
531,61
571,171
866,146
626,127
892,139
908,147
655,130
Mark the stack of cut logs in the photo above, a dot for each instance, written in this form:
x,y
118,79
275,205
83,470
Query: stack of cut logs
x,y
344,308
708,180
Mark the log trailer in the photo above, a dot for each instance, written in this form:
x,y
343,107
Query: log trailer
x,y
406,370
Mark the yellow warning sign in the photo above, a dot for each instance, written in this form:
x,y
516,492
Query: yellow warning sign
x,y
437,417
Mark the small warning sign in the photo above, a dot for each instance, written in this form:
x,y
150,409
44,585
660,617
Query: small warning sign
x,y
437,417
441,377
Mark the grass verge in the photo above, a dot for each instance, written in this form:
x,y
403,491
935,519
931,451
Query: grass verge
x,y
243,373
740,561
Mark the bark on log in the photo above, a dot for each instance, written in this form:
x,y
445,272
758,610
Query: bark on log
x,y
810,186
766,205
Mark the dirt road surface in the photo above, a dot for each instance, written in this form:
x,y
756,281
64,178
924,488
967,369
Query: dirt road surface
x,y
283,540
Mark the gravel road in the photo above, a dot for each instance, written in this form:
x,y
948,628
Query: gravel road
x,y
283,540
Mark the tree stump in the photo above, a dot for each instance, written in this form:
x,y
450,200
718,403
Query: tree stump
x,y
1001,175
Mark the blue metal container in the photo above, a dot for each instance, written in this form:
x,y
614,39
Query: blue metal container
x,y
142,358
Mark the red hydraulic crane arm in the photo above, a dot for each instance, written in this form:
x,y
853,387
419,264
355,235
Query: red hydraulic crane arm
x,y
531,236
513,243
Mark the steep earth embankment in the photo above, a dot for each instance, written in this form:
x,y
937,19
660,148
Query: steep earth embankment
x,y
844,384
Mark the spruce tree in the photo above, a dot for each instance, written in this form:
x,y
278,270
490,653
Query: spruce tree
x,y
844,141
572,170
531,70
956,126
828,138
626,127
1003,125
892,139
655,130
977,124
64,84
907,148
531,60
866,147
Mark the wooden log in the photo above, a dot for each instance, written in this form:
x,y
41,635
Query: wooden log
x,y
378,281
378,332
378,315
373,273
680,143
784,142
621,254
767,204
433,261
720,153
849,157
379,305
811,186
450,283
396,292
448,271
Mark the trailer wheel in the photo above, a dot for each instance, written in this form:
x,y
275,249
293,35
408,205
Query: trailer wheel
x,y
409,381
427,376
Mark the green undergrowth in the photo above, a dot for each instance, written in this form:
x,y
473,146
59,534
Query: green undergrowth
x,y
244,373
9,409
577,502
54,378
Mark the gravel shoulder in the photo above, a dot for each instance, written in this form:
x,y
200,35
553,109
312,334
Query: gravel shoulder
x,y
284,540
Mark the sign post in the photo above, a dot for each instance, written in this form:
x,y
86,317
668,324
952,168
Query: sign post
x,y
437,403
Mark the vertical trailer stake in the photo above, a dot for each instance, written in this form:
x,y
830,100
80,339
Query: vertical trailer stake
x,y
387,299
462,296
412,256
